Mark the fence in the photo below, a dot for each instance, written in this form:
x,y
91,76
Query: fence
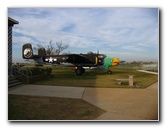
x,y
32,74
148,67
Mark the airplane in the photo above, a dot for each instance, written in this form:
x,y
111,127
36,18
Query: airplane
x,y
79,61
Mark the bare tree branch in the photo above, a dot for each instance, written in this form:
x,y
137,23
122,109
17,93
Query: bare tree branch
x,y
50,50
60,47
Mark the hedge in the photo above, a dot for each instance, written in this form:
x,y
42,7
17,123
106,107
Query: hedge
x,y
30,75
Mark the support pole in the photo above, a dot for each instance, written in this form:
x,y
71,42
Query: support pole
x,y
131,80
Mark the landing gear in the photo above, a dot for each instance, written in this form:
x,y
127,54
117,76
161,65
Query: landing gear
x,y
109,72
79,71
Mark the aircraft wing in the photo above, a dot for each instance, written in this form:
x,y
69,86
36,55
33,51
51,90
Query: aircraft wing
x,y
76,59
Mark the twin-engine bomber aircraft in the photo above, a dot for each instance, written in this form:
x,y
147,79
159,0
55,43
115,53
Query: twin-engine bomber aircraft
x,y
79,61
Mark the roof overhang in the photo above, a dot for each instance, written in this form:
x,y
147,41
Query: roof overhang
x,y
11,21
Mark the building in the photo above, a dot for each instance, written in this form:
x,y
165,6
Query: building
x,y
11,23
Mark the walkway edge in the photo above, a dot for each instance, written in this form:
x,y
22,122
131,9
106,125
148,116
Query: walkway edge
x,y
155,73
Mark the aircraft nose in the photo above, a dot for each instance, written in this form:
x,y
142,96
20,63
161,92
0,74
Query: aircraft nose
x,y
109,62
115,61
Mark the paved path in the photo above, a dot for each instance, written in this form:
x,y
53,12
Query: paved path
x,y
51,91
120,104
125,104
155,73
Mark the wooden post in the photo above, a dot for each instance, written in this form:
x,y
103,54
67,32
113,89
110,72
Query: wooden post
x,y
131,80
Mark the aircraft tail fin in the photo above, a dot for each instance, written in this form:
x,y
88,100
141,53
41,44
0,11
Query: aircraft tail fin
x,y
27,52
42,52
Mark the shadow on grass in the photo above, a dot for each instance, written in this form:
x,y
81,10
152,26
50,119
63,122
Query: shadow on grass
x,y
50,108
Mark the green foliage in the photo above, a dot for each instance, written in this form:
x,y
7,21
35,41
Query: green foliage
x,y
34,71
33,74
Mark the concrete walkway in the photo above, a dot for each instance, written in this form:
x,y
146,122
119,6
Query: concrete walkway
x,y
51,91
120,104
155,73
125,104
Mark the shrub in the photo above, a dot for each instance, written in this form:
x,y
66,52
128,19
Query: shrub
x,y
35,71
30,75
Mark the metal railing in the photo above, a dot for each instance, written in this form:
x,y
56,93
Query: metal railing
x,y
16,72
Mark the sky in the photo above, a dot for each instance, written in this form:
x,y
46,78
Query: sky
x,y
130,34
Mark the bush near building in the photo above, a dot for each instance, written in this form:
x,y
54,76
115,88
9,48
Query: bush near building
x,y
32,74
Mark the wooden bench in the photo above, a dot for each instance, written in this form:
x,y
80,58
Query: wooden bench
x,y
120,81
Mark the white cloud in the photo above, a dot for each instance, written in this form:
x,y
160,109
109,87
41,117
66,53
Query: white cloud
x,y
132,48
92,28
22,40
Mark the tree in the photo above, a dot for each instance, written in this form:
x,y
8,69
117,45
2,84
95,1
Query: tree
x,y
60,47
50,50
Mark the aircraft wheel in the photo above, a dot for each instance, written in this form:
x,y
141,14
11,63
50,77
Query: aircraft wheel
x,y
79,71
82,70
109,72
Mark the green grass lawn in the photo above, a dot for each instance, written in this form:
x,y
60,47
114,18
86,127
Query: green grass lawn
x,y
64,76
